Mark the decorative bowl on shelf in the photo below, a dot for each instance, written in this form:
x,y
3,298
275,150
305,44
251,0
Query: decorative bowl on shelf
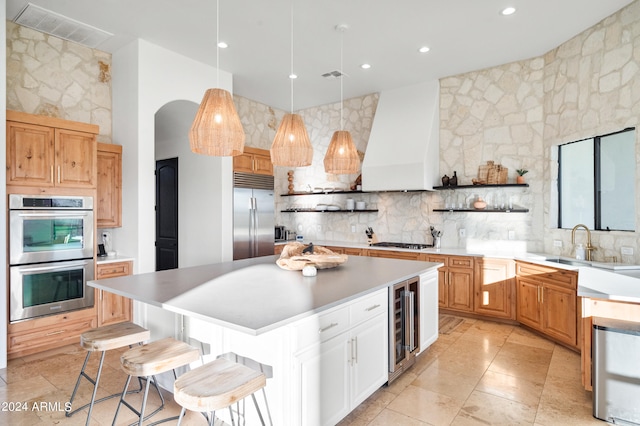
x,y
479,204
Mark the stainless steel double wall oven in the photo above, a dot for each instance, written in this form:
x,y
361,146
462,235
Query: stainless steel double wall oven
x,y
51,251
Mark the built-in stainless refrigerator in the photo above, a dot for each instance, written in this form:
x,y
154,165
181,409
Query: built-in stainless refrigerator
x,y
253,215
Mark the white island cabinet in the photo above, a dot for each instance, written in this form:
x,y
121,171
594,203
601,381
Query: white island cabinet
x,y
344,363
428,309
325,337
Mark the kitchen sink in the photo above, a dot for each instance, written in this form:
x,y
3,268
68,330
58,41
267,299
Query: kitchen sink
x,y
602,265
571,262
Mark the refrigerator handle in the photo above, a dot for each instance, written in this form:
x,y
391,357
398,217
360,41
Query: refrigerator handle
x,y
253,227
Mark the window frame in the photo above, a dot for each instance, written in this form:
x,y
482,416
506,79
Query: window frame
x,y
597,184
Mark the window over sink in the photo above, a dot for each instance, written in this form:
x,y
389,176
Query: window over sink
x,y
596,182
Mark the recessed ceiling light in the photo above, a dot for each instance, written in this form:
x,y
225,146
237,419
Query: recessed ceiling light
x,y
508,11
223,45
365,66
424,49
293,76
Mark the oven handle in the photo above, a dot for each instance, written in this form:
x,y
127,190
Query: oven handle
x,y
66,265
65,214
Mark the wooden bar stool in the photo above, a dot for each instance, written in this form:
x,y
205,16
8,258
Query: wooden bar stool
x,y
216,385
102,339
148,360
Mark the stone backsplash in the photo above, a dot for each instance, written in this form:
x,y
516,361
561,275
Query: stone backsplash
x,y
50,76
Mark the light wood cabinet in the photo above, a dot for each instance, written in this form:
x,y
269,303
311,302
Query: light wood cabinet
x,y
455,282
108,206
111,307
41,334
351,251
494,284
393,254
547,301
48,152
253,160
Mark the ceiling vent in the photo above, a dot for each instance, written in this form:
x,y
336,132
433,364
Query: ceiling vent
x,y
49,22
334,74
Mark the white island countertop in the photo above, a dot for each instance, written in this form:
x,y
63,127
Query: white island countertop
x,y
254,295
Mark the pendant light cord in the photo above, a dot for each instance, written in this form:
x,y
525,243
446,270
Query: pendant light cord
x,y
217,43
341,77
291,75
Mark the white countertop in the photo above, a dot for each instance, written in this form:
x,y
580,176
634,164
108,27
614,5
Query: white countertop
x,y
255,295
112,259
620,284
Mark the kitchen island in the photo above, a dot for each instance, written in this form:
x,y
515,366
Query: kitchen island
x,y
325,337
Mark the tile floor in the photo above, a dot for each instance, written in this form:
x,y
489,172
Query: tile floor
x,y
483,373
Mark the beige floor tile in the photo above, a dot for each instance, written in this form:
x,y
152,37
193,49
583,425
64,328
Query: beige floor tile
x,y
525,337
511,387
486,409
527,353
401,383
483,373
393,418
446,383
565,364
426,406
515,366
461,366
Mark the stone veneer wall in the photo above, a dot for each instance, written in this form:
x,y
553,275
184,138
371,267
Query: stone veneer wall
x,y
321,122
592,87
495,114
517,114
50,76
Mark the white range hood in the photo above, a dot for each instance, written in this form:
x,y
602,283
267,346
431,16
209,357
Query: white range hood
x,y
403,149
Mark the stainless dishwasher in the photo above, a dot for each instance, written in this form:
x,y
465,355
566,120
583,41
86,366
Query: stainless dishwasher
x,y
616,371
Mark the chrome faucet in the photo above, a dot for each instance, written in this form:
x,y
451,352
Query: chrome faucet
x,y
589,247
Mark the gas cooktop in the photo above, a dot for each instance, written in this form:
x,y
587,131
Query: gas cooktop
x,y
412,246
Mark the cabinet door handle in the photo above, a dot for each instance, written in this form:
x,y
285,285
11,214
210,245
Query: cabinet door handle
x,y
355,349
322,330
58,174
541,295
52,174
371,308
53,333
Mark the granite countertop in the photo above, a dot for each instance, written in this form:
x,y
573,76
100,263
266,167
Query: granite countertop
x,y
254,295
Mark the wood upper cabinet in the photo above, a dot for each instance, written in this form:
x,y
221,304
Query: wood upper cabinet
x,y
547,301
494,284
50,152
111,307
108,205
455,282
253,160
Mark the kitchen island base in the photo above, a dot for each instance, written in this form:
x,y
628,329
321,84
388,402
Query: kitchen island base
x,y
326,337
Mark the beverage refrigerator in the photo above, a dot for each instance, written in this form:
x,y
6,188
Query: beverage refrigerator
x,y
253,215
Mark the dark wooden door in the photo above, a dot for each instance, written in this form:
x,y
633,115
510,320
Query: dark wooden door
x,y
166,214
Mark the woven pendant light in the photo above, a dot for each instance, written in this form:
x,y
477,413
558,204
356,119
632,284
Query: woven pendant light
x,y
291,146
342,156
217,130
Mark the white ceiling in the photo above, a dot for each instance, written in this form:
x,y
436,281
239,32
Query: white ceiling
x,y
464,35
